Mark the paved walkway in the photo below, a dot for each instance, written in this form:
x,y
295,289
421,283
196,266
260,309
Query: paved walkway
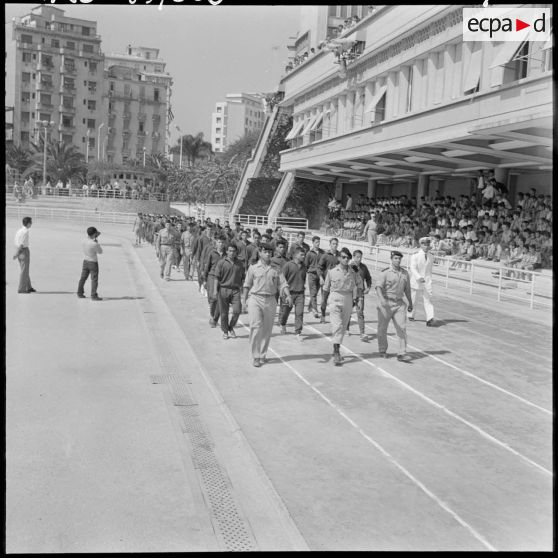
x,y
133,426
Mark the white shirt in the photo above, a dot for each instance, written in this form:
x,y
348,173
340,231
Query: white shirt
x,y
22,237
91,249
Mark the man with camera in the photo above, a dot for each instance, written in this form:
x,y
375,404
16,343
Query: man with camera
x,y
91,248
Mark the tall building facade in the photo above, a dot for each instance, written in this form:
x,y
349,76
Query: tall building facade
x,y
137,102
59,75
400,104
238,115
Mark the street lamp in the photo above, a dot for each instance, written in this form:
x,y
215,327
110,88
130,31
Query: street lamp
x,y
87,145
144,149
45,124
180,161
99,142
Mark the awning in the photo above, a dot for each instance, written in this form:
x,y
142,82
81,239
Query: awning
x,y
309,122
549,43
505,54
472,75
318,121
376,99
295,129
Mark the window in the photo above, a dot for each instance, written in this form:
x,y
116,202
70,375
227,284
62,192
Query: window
x,y
55,43
218,120
25,96
92,86
217,140
155,94
67,122
91,123
27,39
46,60
92,141
217,130
25,118
26,57
68,102
472,67
70,45
91,105
141,128
87,48
69,83
67,138
85,31
112,85
147,55
24,137
25,77
45,99
92,66
69,63
44,116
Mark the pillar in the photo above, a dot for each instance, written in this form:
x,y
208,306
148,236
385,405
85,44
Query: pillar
x,y
372,188
422,187
342,114
502,175
349,111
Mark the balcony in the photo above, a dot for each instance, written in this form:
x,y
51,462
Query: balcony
x,y
68,88
45,86
25,100
45,105
68,109
68,69
45,66
67,127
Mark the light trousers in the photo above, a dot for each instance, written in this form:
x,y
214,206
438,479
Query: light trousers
x,y
261,314
427,299
398,313
340,309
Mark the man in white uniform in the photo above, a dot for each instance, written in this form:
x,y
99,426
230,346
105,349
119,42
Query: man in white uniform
x,y
421,279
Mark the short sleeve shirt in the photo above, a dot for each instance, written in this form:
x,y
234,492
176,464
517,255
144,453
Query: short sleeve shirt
x,y
393,283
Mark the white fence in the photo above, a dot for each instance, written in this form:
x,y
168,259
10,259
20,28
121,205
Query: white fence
x,y
296,223
67,214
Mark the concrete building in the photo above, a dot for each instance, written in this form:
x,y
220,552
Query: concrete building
x,y
238,115
400,104
136,97
59,75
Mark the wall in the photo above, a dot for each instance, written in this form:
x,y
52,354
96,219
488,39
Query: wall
x,y
542,182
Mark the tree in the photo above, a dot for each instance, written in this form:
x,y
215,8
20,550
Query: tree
x,y
194,148
18,157
64,162
241,149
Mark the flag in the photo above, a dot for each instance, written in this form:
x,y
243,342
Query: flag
x,y
170,115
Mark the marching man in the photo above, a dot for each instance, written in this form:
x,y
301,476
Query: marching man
x,y
421,280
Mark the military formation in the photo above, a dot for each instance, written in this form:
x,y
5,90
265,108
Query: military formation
x,y
245,270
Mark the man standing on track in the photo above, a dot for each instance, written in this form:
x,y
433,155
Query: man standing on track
x,y
210,282
393,282
328,261
361,269
421,280
187,240
91,248
164,245
229,275
261,286
22,254
311,261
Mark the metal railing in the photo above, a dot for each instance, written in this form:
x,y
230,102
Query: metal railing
x,y
473,277
63,214
297,223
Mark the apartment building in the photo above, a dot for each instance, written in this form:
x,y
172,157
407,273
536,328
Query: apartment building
x,y
137,102
400,104
238,115
59,75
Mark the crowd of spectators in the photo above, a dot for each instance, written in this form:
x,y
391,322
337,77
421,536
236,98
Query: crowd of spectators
x,y
347,24
464,227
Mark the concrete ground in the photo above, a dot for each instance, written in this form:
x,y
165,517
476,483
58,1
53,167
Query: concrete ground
x,y
133,426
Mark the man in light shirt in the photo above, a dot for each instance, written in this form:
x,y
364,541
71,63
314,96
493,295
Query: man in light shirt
x,y
22,254
91,248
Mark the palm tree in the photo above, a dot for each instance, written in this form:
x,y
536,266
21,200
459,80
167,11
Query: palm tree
x,y
18,158
194,147
63,161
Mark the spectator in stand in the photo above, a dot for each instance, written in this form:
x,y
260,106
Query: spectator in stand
x,y
370,230
489,193
349,203
530,261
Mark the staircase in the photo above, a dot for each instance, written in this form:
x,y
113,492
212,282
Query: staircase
x,y
281,195
254,164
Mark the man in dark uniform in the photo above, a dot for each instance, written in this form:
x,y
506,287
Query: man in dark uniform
x,y
210,283
252,251
393,282
311,261
279,260
279,238
295,275
327,261
229,277
199,252
361,269
242,245
298,244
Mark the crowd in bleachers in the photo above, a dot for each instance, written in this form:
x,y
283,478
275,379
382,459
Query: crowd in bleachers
x,y
464,227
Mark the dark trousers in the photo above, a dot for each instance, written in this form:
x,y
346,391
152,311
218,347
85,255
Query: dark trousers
x,y
24,257
314,288
323,307
214,309
227,298
298,305
359,307
89,268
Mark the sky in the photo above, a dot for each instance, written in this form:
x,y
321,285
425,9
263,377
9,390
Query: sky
x,y
209,50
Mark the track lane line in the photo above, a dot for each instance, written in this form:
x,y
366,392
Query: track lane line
x,y
383,451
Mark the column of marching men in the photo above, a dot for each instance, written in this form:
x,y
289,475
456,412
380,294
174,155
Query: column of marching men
x,y
244,270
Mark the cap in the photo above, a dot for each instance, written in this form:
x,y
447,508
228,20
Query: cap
x,y
92,230
424,240
266,246
396,253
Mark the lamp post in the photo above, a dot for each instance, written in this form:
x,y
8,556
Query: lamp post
x,y
99,142
180,160
144,150
45,124
87,146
